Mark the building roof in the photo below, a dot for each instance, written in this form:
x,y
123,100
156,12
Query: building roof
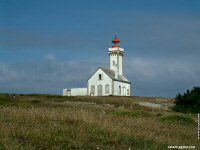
x,y
111,74
116,42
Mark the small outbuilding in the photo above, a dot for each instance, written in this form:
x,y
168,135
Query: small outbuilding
x,y
75,92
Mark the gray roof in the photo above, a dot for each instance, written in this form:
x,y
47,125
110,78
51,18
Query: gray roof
x,y
111,74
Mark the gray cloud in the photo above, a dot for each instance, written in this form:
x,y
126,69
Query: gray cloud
x,y
47,76
161,76
165,47
141,33
150,76
16,40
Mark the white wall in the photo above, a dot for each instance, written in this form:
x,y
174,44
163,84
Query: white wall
x,y
125,86
116,55
121,67
66,92
75,92
94,80
113,57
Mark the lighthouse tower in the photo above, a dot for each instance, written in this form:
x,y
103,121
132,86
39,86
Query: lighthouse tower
x,y
106,81
116,54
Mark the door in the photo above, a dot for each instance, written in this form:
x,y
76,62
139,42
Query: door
x,y
99,90
68,93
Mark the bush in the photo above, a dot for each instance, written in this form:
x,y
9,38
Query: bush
x,y
127,113
178,119
189,101
5,100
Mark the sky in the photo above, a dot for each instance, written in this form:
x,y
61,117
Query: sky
x,y
49,45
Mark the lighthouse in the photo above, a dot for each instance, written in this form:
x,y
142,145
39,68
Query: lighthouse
x,y
111,81
116,54
107,81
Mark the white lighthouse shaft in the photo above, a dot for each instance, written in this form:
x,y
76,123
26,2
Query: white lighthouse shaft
x,y
116,59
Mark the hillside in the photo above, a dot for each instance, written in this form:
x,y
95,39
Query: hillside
x,y
55,122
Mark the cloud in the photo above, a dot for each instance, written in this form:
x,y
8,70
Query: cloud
x,y
50,57
16,40
152,33
165,47
47,76
162,76
149,76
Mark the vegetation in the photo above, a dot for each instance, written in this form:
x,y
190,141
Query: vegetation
x,y
139,113
178,119
55,122
189,101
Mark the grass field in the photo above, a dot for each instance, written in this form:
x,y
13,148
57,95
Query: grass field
x,y
55,122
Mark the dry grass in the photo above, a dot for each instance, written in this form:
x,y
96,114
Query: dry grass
x,y
46,123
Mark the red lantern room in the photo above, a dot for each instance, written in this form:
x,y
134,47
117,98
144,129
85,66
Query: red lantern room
x,y
115,42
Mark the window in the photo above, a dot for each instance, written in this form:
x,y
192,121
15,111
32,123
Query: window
x,y
107,91
128,92
124,90
100,76
120,90
92,89
113,63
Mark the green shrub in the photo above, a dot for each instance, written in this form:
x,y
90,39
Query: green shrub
x,y
189,101
2,147
35,101
113,139
141,143
128,113
5,100
178,119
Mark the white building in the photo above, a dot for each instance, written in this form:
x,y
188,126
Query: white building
x,y
105,82
75,92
